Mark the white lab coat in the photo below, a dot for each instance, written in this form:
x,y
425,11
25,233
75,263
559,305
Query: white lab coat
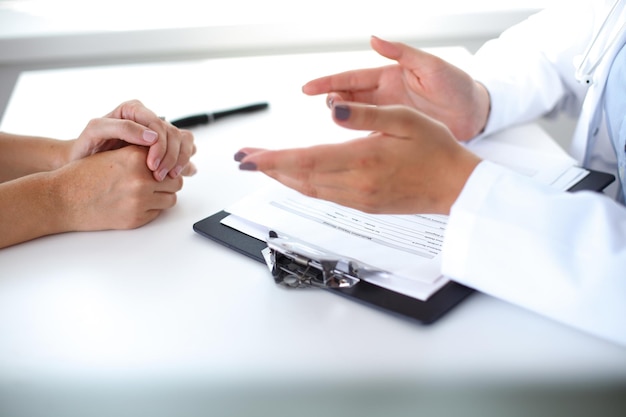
x,y
562,255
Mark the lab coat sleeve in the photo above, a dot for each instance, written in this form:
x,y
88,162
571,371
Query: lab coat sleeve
x,y
529,70
562,255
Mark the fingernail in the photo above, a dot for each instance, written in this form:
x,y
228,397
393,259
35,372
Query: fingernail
x,y
176,172
329,102
161,174
149,135
342,112
157,162
239,156
248,166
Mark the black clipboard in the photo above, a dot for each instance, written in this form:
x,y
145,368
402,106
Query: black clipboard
x,y
594,181
424,312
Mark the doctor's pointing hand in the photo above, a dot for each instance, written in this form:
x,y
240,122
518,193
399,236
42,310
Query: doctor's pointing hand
x,y
419,80
411,163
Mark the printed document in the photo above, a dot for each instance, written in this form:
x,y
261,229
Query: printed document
x,y
407,247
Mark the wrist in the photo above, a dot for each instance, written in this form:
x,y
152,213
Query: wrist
x,y
57,199
63,153
465,166
31,207
482,109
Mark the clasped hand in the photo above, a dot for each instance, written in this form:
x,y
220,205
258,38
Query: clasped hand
x,y
133,123
124,169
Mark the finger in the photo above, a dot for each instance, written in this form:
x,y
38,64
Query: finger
x,y
101,130
135,110
299,161
243,152
350,155
162,156
184,166
341,188
337,180
186,151
179,149
162,201
349,81
169,185
334,97
399,121
406,56
189,170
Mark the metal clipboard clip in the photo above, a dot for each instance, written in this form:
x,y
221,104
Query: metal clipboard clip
x,y
295,264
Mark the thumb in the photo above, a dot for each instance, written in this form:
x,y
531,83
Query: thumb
x,y
105,134
399,121
406,56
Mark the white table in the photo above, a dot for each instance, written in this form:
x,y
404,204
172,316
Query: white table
x,y
161,321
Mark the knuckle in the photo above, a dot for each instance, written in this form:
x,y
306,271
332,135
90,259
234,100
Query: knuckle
x,y
369,155
187,135
136,154
93,123
171,200
126,125
368,163
133,103
405,118
178,183
136,187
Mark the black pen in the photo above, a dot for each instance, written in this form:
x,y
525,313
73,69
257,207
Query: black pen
x,y
205,118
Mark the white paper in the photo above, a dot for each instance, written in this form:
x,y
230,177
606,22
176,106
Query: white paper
x,y
408,247
557,170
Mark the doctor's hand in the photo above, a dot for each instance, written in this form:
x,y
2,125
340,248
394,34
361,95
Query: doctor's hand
x,y
170,148
419,80
409,164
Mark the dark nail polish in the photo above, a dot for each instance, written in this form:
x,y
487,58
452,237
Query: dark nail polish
x,y
248,166
239,156
342,112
